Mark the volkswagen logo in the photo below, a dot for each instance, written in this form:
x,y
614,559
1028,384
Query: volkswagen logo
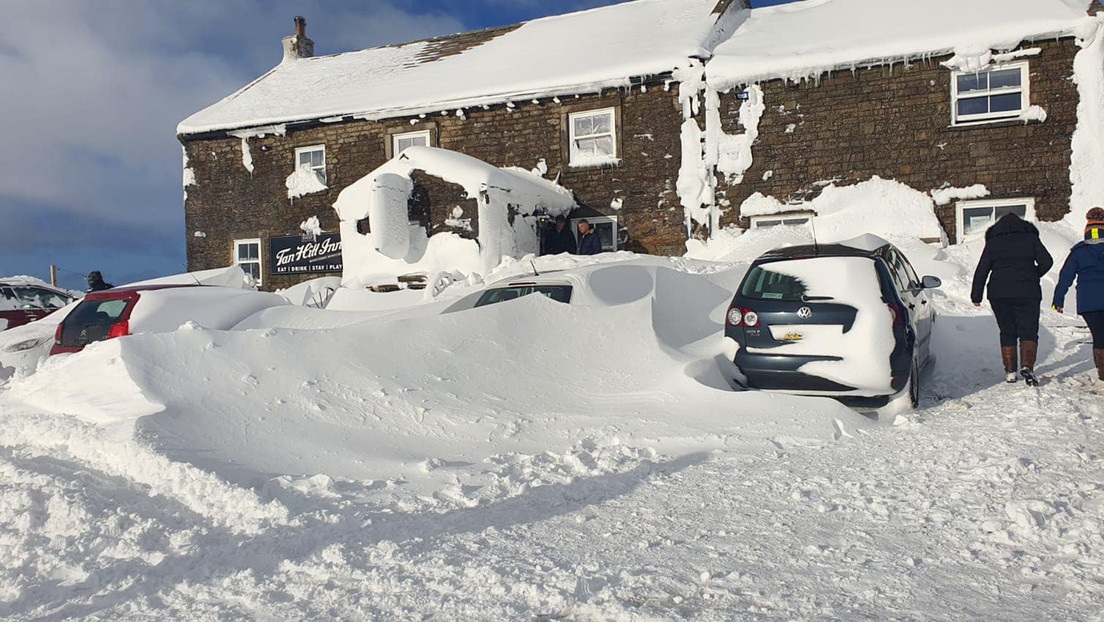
x,y
804,313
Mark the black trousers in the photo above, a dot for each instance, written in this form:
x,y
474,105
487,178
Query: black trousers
x,y
1095,320
1018,319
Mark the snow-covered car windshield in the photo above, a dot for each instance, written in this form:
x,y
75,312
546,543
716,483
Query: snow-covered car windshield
x,y
559,293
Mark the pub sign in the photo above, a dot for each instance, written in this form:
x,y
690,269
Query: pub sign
x,y
305,254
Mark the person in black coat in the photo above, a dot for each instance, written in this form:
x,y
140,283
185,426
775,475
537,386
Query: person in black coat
x,y
559,239
589,244
96,282
1013,262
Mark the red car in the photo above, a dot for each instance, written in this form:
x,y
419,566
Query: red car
x,y
141,309
24,302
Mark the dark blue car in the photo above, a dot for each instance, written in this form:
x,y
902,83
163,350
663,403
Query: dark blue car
x,y
850,320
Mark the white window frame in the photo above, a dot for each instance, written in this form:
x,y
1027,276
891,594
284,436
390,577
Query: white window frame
x,y
596,220
318,170
260,256
993,204
395,138
782,217
577,159
992,117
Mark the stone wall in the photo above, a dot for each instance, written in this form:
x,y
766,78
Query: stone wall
x,y
895,122
229,203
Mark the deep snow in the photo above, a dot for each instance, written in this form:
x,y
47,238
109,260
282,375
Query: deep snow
x,y
531,460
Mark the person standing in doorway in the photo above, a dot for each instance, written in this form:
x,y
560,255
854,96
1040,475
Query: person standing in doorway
x,y
1085,263
1014,262
559,238
589,244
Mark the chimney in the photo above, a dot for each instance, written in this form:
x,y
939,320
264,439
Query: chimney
x,y
298,45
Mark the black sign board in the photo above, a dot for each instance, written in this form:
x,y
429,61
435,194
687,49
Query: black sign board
x,y
299,254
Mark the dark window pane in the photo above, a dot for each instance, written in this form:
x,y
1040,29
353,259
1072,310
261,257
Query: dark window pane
x,y
975,105
973,82
1005,78
1019,210
763,224
1005,103
976,218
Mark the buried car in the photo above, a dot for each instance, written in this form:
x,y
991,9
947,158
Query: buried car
x,y
132,310
849,320
25,302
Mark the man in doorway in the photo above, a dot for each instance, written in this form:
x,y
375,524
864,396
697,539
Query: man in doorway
x,y
559,239
589,244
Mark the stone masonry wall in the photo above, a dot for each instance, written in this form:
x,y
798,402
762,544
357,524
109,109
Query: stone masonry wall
x,y
228,203
895,122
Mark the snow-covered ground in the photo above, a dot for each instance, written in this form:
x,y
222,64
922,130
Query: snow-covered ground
x,y
537,461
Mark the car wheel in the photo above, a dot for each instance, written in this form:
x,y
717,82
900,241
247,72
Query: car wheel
x,y
906,399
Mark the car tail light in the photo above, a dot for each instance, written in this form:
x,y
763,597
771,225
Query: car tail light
x,y
735,316
898,314
57,336
121,329
751,318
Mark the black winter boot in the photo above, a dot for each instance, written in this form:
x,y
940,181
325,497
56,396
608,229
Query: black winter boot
x,y
1028,351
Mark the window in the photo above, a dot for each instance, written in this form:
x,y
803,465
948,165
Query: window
x,y
977,216
38,298
314,158
593,139
247,254
559,293
792,219
903,274
400,142
991,94
605,227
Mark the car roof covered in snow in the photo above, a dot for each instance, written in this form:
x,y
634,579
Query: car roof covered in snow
x,y
561,55
802,40
809,251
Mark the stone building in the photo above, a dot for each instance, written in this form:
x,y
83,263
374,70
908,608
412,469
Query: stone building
x,y
587,97
664,117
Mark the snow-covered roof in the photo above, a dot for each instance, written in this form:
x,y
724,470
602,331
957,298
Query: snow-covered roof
x,y
559,55
804,39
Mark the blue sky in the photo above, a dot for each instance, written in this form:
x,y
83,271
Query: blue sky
x,y
90,172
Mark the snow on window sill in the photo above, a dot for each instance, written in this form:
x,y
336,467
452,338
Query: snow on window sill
x,y
594,162
1034,114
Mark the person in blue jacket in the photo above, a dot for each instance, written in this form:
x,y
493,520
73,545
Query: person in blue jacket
x,y
589,244
1086,264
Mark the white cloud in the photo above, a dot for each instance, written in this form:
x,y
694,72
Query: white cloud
x,y
94,91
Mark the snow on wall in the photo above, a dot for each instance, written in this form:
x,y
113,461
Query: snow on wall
x,y
947,195
247,155
189,178
731,154
395,245
303,181
879,206
1087,158
542,58
803,40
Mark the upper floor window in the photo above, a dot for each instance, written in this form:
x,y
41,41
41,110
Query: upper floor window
x,y
247,255
314,158
593,137
401,142
990,94
976,216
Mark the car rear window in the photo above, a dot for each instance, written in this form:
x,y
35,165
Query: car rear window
x,y
763,283
91,321
559,293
